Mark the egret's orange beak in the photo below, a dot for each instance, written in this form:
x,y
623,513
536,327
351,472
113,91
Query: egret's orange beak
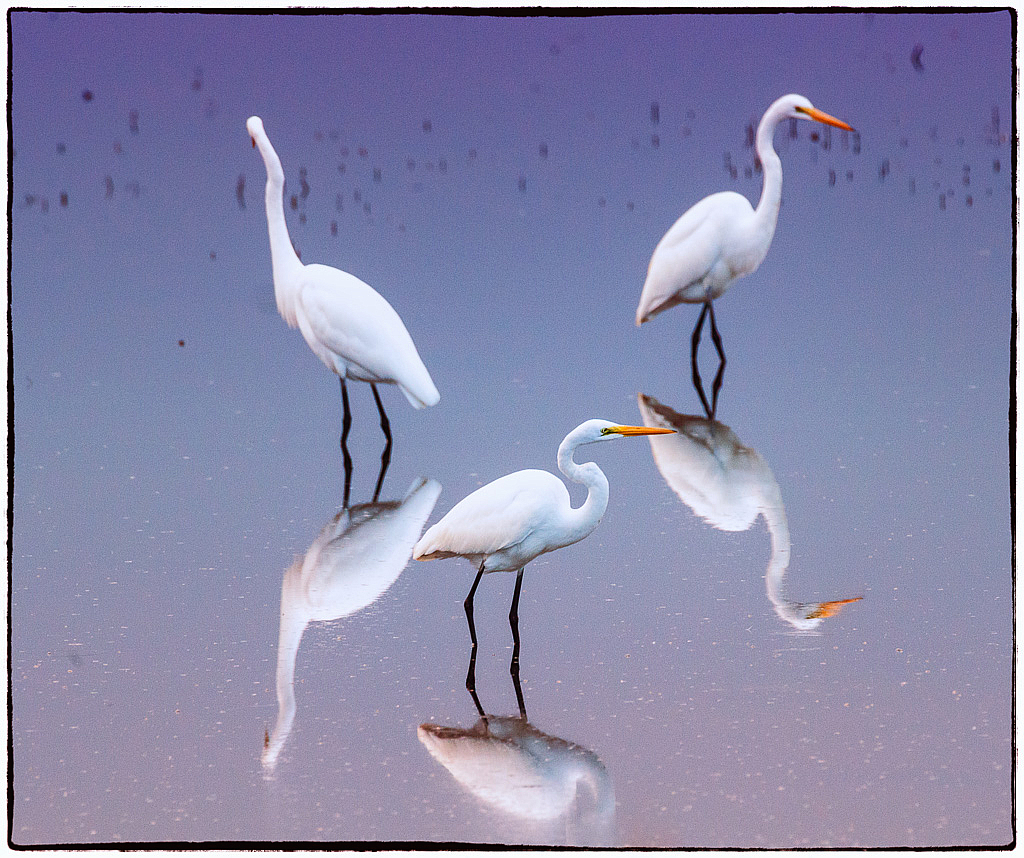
x,y
830,609
640,430
821,116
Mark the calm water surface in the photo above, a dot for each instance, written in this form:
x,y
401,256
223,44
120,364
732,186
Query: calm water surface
x,y
206,646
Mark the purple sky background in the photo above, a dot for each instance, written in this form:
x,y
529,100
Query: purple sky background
x,y
161,490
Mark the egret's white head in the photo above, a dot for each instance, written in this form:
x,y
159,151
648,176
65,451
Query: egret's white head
x,y
797,107
604,430
807,617
254,125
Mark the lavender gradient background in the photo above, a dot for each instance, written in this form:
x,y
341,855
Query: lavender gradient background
x,y
499,180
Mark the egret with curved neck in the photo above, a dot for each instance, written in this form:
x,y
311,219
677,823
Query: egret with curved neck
x,y
722,238
347,324
505,524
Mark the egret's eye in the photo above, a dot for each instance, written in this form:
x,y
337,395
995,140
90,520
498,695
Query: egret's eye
x,y
607,430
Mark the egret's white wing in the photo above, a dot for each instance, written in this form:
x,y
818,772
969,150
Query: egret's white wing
x,y
495,516
687,260
345,318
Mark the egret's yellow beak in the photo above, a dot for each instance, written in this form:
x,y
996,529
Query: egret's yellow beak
x,y
639,430
821,116
830,609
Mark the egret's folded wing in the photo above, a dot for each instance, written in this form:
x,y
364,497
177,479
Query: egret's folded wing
x,y
495,516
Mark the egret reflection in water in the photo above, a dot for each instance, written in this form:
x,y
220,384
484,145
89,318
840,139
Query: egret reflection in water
x,y
508,764
355,558
728,485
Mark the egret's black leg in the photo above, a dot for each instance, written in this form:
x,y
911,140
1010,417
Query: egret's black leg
x,y
694,346
513,621
717,384
385,457
468,604
346,425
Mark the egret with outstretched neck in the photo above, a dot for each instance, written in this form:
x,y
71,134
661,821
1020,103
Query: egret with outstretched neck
x,y
722,238
505,524
347,324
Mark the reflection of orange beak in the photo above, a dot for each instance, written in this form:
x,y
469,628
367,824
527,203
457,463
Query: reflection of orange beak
x,y
830,609
821,116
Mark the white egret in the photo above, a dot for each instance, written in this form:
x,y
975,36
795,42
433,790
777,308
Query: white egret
x,y
507,523
348,325
722,238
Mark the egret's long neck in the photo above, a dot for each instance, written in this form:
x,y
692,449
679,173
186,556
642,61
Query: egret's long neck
x,y
285,261
767,211
778,530
293,624
584,519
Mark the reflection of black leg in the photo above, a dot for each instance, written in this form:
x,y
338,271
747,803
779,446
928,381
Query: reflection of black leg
x,y
513,621
717,385
694,345
519,695
471,686
346,424
468,604
715,336
385,457
695,336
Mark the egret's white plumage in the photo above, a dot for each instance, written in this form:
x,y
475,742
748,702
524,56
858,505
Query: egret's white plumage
x,y
507,523
348,325
723,238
